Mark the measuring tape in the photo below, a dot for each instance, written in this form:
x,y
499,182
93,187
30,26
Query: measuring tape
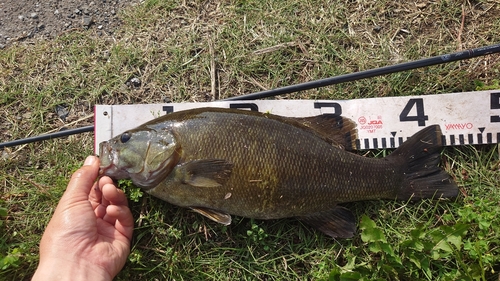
x,y
465,118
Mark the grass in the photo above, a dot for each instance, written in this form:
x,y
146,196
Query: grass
x,y
254,45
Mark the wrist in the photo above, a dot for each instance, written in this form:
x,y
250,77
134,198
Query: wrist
x,y
60,269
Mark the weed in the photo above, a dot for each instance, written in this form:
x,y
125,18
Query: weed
x,y
421,255
9,256
481,86
133,193
257,235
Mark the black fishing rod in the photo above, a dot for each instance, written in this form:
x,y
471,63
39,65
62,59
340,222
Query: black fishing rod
x,y
62,133
467,54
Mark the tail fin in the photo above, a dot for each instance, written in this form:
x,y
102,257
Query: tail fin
x,y
421,155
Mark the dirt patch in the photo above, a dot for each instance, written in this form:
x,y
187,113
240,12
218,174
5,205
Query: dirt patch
x,y
26,20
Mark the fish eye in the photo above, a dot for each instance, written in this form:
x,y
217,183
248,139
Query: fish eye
x,y
125,137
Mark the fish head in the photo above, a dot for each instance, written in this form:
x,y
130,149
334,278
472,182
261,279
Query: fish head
x,y
146,156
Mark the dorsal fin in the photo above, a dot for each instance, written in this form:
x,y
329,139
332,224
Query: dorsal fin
x,y
337,130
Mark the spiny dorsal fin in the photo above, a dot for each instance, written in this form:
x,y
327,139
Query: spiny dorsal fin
x,y
205,173
214,215
337,130
337,222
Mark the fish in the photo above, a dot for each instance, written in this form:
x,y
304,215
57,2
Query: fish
x,y
221,162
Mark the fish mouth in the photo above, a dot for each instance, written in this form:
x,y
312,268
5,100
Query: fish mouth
x,y
109,162
105,157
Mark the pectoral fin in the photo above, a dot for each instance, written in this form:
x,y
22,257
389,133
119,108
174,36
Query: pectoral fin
x,y
214,215
205,173
338,222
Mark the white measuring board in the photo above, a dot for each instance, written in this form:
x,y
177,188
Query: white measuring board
x,y
465,118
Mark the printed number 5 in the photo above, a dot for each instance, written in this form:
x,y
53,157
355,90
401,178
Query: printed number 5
x,y
420,117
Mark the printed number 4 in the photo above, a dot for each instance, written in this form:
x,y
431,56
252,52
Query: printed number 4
x,y
420,117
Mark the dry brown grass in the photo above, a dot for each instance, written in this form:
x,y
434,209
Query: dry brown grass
x,y
205,50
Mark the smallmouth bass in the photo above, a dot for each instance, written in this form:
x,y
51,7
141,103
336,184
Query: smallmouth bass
x,y
223,162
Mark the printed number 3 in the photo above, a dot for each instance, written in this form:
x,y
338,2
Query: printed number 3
x,y
420,117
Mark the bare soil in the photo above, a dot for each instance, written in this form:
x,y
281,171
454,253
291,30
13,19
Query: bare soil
x,y
28,20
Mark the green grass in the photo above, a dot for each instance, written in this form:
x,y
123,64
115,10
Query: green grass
x,y
256,45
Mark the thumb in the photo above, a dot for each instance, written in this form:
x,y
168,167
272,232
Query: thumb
x,y
82,180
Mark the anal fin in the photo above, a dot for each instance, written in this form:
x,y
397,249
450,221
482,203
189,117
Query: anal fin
x,y
338,222
214,215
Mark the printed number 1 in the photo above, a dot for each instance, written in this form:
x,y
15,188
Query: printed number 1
x,y
495,104
420,117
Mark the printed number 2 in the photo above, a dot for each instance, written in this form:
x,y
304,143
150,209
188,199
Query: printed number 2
x,y
420,117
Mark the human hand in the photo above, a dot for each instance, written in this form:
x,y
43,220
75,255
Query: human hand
x,y
88,237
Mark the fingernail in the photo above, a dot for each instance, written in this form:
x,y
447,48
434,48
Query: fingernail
x,y
89,161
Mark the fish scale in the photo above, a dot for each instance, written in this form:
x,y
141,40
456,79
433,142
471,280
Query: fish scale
x,y
337,178
221,161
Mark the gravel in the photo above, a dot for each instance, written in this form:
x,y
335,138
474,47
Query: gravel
x,y
27,20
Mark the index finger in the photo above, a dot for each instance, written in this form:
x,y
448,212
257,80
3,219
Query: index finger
x,y
111,193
